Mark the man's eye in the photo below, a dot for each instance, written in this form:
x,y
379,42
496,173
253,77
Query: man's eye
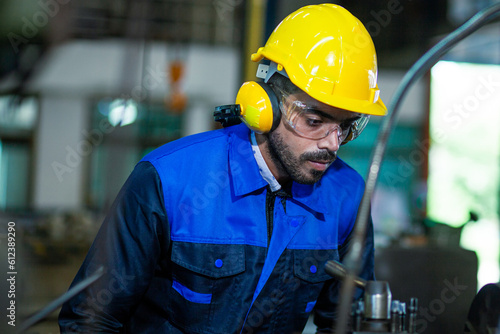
x,y
313,122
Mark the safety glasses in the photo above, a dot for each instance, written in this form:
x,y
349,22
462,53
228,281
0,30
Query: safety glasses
x,y
314,124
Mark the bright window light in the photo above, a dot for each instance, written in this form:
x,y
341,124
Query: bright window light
x,y
122,112
464,157
18,114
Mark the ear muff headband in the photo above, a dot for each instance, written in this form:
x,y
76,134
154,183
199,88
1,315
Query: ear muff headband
x,y
259,106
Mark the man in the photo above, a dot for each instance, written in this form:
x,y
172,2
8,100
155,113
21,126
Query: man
x,y
228,231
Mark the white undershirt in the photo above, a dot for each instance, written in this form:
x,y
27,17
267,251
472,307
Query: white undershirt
x,y
263,168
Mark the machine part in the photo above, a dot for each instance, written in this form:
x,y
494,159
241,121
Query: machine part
x,y
327,53
337,270
395,317
377,300
412,318
402,316
375,326
358,315
376,313
421,66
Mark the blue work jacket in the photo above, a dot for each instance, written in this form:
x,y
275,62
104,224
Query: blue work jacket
x,y
196,243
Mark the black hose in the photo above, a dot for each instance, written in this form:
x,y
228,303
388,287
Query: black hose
x,y
421,66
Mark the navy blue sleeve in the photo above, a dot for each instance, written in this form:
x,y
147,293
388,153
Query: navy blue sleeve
x,y
128,245
326,307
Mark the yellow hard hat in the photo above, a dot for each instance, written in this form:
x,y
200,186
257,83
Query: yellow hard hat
x,y
328,53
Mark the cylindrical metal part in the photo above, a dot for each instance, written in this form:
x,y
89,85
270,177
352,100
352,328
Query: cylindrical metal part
x,y
395,318
402,315
358,319
412,316
377,300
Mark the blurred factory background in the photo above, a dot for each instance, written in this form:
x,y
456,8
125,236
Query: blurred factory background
x,y
88,87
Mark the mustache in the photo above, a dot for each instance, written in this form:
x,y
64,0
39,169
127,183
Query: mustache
x,y
319,156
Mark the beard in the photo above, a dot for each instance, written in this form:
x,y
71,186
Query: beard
x,y
296,166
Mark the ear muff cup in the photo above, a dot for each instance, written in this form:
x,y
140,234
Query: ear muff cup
x,y
259,106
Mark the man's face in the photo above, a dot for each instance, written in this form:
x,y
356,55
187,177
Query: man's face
x,y
305,160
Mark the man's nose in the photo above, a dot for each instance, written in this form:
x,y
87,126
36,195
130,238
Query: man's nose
x,y
331,142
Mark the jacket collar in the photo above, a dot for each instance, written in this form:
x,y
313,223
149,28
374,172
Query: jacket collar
x,y
246,178
243,169
311,195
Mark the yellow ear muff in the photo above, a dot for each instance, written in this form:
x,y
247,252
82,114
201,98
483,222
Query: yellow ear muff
x,y
259,106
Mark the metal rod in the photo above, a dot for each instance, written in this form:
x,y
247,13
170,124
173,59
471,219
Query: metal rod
x,y
337,270
40,315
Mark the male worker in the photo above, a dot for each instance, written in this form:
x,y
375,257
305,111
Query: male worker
x,y
228,231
